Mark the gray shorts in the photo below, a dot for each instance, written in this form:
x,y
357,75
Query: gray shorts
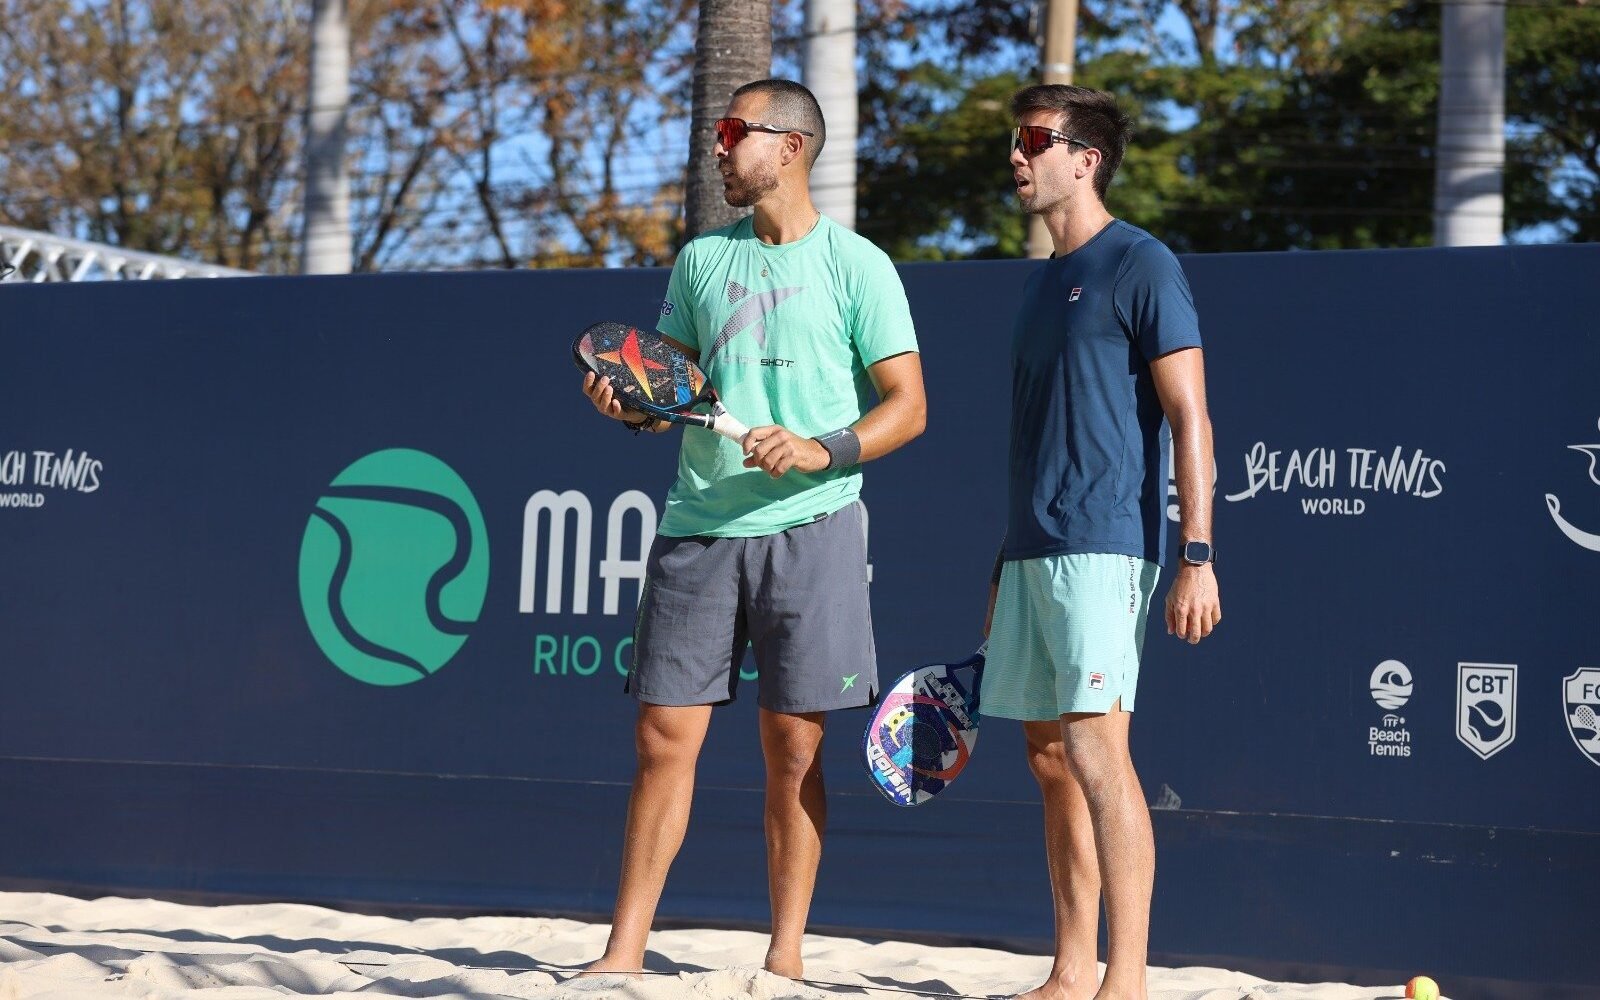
x,y
798,597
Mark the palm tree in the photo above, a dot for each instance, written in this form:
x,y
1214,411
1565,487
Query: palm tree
x,y
732,48
830,72
326,243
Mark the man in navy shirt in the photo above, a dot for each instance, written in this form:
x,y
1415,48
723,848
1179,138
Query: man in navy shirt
x,y
1105,354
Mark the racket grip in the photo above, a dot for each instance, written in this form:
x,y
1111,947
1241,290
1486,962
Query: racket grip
x,y
725,424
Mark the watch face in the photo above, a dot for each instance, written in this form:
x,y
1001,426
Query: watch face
x,y
1196,552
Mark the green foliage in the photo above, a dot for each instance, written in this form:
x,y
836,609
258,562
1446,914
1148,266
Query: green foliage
x,y
941,186
1313,127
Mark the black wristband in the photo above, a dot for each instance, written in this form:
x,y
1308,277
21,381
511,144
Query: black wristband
x,y
644,422
842,446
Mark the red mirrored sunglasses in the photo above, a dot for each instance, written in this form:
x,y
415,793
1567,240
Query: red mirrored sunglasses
x,y
731,130
1035,139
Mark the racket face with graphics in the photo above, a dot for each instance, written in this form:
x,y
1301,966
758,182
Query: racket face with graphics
x,y
924,730
649,376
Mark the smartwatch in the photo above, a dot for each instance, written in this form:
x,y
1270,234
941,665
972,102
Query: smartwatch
x,y
1199,553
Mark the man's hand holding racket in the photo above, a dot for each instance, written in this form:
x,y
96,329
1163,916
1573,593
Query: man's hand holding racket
x,y
776,450
630,371
604,398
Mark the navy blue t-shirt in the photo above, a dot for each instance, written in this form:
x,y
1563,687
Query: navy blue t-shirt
x,y
1087,465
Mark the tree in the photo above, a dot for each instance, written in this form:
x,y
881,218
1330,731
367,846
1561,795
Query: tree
x,y
1260,124
326,246
1553,108
480,132
121,140
733,47
603,74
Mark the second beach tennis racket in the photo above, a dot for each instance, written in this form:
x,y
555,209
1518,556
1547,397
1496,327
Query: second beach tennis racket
x,y
924,730
650,376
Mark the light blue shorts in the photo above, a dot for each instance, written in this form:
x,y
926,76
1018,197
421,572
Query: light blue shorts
x,y
1067,635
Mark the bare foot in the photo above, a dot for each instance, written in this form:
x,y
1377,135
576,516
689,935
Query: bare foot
x,y
1115,991
605,965
1060,986
787,966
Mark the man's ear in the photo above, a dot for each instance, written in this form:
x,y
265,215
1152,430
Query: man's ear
x,y
794,147
1091,162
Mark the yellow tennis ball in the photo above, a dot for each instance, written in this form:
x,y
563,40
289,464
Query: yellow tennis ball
x,y
1422,988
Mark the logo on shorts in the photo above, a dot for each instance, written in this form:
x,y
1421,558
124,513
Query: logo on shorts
x,y
1097,682
1076,292
1486,707
1580,701
394,567
849,682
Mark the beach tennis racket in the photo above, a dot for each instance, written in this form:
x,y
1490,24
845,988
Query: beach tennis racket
x,y
650,376
924,730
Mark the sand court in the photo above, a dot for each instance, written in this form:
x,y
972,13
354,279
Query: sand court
x,y
56,947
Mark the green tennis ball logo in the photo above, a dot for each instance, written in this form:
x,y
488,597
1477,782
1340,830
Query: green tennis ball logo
x,y
393,567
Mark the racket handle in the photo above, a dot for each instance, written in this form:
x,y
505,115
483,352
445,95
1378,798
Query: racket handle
x,y
724,423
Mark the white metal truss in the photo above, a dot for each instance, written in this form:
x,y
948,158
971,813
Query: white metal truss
x,y
29,256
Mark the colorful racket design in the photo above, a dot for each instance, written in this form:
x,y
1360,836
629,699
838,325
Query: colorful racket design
x,y
649,376
924,730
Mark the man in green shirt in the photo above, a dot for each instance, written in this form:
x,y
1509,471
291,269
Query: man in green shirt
x,y
798,322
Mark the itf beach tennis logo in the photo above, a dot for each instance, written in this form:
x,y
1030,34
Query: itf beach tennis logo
x,y
394,567
1586,539
1390,685
1486,706
1581,702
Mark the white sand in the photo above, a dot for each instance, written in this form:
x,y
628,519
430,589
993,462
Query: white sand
x,y
58,948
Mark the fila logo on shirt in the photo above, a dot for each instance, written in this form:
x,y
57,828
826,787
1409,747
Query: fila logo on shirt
x,y
1097,682
1076,292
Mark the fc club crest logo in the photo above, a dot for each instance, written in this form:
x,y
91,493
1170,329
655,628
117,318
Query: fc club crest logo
x,y
1486,707
1581,702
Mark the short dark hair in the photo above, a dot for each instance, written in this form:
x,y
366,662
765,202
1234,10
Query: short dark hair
x,y
1089,115
793,106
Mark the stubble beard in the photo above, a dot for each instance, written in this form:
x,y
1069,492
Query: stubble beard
x,y
742,192
1038,202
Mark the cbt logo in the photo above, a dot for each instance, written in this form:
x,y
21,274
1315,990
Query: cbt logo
x,y
394,567
1581,702
1486,706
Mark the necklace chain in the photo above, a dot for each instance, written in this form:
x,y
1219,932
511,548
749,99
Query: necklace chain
x,y
768,264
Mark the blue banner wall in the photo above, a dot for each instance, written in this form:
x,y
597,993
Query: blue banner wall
x,y
319,588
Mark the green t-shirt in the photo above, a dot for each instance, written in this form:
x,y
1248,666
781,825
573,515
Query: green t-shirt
x,y
786,334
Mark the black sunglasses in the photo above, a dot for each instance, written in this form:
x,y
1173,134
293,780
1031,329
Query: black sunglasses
x,y
1035,139
731,130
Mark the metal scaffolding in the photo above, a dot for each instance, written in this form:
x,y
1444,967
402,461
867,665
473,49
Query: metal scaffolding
x,y
29,256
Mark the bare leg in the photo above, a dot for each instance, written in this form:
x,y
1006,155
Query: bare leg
x,y
1074,869
668,740
1097,754
796,812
